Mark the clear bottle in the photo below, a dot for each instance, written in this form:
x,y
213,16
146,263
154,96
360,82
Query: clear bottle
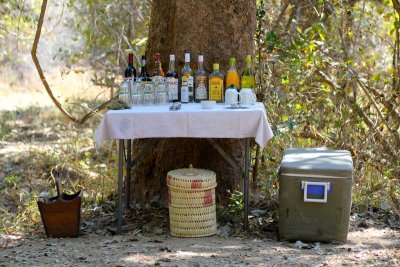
x,y
232,76
248,80
172,80
187,95
216,85
200,81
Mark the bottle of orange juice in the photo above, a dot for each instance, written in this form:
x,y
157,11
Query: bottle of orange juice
x,y
232,76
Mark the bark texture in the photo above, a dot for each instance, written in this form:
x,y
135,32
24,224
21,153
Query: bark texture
x,y
218,30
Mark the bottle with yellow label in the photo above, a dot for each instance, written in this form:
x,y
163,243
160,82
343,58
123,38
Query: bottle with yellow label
x,y
216,85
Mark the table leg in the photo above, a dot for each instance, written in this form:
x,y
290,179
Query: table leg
x,y
120,183
128,173
247,158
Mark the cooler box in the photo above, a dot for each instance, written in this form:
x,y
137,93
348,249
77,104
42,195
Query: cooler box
x,y
315,195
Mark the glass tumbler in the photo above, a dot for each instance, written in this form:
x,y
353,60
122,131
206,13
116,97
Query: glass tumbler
x,y
137,99
124,91
148,98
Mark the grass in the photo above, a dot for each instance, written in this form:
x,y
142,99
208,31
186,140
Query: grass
x,y
34,141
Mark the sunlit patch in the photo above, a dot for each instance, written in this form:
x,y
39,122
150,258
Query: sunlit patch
x,y
139,258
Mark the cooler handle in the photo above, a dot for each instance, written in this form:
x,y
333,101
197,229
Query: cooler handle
x,y
326,185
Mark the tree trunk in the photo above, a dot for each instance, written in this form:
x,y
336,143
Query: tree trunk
x,y
219,30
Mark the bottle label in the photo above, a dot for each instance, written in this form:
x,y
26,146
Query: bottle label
x,y
172,88
201,89
216,87
184,90
190,84
248,82
157,79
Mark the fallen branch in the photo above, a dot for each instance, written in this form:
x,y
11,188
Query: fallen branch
x,y
43,78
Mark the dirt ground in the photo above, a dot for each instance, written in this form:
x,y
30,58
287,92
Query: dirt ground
x,y
144,244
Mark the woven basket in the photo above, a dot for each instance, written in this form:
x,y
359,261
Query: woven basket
x,y
191,194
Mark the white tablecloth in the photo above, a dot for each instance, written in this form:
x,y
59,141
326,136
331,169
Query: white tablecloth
x,y
190,121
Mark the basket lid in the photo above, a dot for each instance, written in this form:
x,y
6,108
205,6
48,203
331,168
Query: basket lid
x,y
192,173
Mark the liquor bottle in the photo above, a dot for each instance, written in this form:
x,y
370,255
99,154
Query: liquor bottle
x,y
158,71
184,90
232,76
187,72
172,80
200,81
130,71
248,80
144,75
216,84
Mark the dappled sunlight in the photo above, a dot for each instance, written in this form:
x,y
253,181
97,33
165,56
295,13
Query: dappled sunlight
x,y
373,236
66,88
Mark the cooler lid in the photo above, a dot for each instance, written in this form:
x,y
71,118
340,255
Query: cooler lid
x,y
321,163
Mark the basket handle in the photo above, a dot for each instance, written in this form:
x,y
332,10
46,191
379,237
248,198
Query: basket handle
x,y
56,173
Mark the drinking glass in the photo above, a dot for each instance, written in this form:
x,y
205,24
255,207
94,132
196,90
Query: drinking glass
x,y
137,99
148,98
124,91
162,97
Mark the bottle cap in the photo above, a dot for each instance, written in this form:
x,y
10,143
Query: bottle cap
x,y
172,57
187,57
216,66
232,60
201,58
248,59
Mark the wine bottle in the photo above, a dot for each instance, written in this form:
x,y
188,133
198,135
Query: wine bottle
x,y
172,80
187,97
216,84
130,71
144,75
200,81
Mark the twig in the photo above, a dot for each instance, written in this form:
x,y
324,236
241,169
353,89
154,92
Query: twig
x,y
43,78
361,84
24,37
396,5
19,20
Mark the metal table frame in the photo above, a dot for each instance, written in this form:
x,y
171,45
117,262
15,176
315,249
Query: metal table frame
x,y
128,166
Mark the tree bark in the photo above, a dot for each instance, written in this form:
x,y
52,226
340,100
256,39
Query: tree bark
x,y
218,30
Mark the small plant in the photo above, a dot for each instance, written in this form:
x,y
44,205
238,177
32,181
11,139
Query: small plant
x,y
236,203
12,180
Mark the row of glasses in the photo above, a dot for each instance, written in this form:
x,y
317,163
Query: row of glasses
x,y
141,93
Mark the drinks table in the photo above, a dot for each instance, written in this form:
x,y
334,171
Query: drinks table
x,y
190,121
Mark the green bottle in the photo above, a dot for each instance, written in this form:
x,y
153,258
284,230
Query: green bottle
x,y
248,80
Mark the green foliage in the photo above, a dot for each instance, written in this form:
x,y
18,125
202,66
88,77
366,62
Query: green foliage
x,y
236,203
314,71
109,29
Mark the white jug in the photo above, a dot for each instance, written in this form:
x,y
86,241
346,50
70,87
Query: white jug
x,y
247,97
231,96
